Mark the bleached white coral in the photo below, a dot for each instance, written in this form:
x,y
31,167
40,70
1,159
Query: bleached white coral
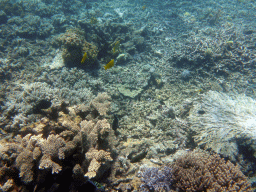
x,y
219,119
119,12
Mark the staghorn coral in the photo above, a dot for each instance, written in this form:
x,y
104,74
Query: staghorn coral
x,y
89,133
78,172
22,153
46,163
52,146
156,179
199,171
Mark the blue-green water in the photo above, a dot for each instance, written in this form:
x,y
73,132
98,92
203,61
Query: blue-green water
x,y
94,91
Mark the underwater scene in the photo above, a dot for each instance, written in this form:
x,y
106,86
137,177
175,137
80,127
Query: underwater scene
x,y
127,95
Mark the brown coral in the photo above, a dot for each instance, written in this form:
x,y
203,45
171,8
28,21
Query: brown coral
x,y
98,159
25,164
92,133
46,163
70,39
79,137
92,53
101,103
199,171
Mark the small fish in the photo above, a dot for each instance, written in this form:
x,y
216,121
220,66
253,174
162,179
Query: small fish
x,y
115,124
109,64
116,46
199,91
84,58
144,7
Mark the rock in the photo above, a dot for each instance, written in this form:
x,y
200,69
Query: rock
x,y
129,92
3,17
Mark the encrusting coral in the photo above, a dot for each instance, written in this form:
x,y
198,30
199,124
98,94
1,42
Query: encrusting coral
x,y
199,171
75,137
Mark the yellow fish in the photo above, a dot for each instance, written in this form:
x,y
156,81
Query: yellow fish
x,y
109,64
116,46
84,57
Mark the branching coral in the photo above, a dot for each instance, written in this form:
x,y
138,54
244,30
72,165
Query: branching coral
x,y
101,103
99,135
199,171
47,145
156,179
7,186
98,159
46,163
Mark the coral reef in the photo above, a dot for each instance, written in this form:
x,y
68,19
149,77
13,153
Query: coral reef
x,y
50,146
165,53
98,159
19,107
74,47
222,122
199,171
156,179
36,26
101,103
